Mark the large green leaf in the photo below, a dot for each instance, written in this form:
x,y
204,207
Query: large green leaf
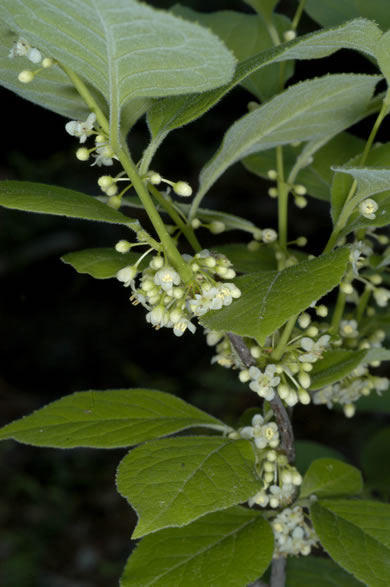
x,y
375,403
309,110
312,571
171,113
246,35
329,478
270,298
316,177
125,49
101,263
175,481
49,199
245,261
334,12
375,461
356,534
107,419
224,549
308,451
382,52
263,7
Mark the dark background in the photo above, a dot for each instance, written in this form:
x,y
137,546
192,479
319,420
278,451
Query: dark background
x,y
62,522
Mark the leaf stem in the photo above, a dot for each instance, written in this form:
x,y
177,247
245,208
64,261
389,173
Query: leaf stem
x,y
338,311
87,97
282,200
280,347
297,15
186,229
363,302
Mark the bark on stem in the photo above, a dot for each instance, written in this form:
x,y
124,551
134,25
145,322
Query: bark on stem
x,y
287,444
278,572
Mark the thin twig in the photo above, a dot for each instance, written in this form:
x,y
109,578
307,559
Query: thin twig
x,y
278,572
283,421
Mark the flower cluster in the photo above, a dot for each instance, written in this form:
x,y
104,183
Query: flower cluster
x,y
279,479
293,536
22,48
172,303
102,151
347,391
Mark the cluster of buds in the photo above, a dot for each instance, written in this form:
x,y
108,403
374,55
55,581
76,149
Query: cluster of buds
x,y
298,190
279,479
172,303
346,392
293,535
102,151
22,48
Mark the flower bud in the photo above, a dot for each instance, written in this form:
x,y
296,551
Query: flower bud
x,y
195,223
272,174
82,154
26,76
182,188
289,35
217,227
47,62
122,246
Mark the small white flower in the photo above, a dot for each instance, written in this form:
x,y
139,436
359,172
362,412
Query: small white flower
x,y
158,316
77,128
180,327
367,208
269,235
22,48
126,275
166,278
382,296
348,328
264,383
314,349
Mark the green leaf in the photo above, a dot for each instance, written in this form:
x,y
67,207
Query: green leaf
x,y
308,451
375,459
101,263
107,419
316,177
175,481
171,113
246,35
49,199
382,53
329,477
356,534
270,298
309,571
375,403
246,261
224,549
309,110
263,7
128,49
333,12
334,365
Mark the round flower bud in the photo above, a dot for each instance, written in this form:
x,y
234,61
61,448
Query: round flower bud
x,y
82,154
304,320
268,477
244,376
296,478
154,178
156,263
217,227
300,202
301,241
300,190
346,288
376,279
114,202
127,274
307,367
286,477
26,76
255,352
271,455
349,410
195,223
304,397
289,35
47,62
312,331
283,391
34,55
273,192
269,467
272,174
122,246
112,190
253,246
182,188
274,502
100,139
382,239
105,181
322,311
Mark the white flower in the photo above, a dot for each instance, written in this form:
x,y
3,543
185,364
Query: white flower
x,y
269,235
22,48
263,383
314,349
180,327
382,296
158,316
166,278
367,208
348,328
80,129
127,274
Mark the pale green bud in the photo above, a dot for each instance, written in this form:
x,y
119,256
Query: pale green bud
x,y
82,154
182,188
26,76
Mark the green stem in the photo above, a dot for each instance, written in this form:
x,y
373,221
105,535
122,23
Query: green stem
x,y
87,97
297,15
363,302
124,157
282,200
167,242
281,346
349,204
338,312
185,228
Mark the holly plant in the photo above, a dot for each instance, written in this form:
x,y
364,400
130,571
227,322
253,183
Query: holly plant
x,y
221,505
